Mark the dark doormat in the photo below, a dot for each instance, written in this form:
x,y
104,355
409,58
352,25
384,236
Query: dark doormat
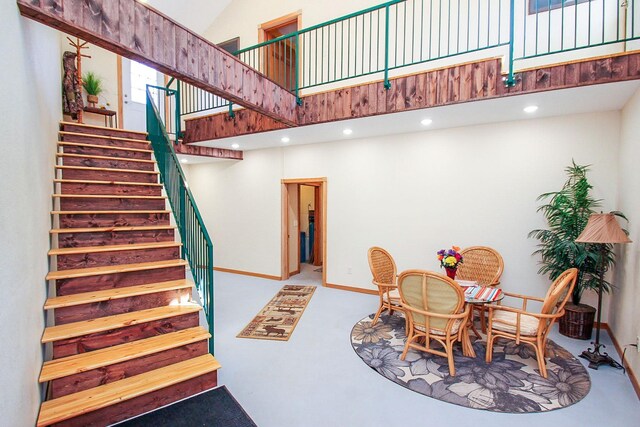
x,y
215,408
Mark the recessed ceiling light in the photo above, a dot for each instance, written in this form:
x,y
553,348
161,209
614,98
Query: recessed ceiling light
x,y
347,131
530,109
183,160
426,122
285,139
235,146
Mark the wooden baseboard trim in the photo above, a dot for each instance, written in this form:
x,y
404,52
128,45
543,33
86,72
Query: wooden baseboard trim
x,y
247,273
632,375
351,289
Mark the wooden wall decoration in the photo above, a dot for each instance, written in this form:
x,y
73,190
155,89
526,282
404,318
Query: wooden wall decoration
x,y
460,83
139,32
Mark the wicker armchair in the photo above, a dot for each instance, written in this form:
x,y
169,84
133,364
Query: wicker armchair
x,y
526,326
483,265
436,310
384,272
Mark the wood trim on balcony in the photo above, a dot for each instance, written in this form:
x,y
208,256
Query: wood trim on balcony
x,y
460,83
137,31
220,153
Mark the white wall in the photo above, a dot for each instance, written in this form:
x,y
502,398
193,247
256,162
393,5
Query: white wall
x,y
625,302
30,108
240,203
412,194
241,18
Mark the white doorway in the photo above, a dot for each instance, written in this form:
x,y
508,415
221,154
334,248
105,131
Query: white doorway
x,y
135,78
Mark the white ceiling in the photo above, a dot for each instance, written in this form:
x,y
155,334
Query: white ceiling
x,y
197,15
604,97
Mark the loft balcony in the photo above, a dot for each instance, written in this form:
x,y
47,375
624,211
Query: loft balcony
x,y
415,54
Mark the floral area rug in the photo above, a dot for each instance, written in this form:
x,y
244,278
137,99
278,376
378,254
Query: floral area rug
x,y
510,383
278,319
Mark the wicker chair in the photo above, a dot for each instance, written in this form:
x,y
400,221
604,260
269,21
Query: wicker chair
x,y
526,326
483,265
436,310
384,272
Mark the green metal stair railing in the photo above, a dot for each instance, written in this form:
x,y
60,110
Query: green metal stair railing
x,y
403,33
197,247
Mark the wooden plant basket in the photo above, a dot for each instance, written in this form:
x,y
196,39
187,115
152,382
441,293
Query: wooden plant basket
x,y
577,321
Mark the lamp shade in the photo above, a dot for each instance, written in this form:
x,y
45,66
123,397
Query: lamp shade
x,y
603,228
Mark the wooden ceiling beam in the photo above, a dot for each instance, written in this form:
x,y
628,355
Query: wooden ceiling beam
x,y
196,150
139,32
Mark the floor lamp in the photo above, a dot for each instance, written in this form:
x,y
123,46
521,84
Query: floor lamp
x,y
602,229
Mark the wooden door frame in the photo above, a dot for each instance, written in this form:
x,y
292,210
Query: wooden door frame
x,y
284,239
275,23
278,22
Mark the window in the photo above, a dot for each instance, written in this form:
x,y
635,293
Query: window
x,y
231,46
141,76
536,6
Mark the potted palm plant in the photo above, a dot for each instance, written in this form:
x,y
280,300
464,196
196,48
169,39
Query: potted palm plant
x,y
93,86
567,212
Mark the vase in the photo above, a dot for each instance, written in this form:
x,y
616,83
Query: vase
x,y
451,272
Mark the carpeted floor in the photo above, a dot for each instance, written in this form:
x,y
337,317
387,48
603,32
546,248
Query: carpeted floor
x,y
214,408
278,319
510,383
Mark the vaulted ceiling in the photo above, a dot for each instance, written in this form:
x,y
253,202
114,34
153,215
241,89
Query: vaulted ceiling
x,y
197,15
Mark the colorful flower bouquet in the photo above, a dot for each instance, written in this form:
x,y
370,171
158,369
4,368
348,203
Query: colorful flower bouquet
x,y
449,259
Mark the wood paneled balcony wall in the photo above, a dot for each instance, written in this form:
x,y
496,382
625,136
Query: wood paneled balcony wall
x,y
139,32
460,83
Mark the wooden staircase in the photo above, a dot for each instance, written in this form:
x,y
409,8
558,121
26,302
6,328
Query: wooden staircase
x,y
127,337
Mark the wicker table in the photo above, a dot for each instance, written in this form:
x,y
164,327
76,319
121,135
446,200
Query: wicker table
x,y
467,348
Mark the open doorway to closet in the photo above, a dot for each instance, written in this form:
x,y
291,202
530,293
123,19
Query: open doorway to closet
x,y
304,225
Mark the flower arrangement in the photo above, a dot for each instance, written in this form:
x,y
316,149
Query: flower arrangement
x,y
450,258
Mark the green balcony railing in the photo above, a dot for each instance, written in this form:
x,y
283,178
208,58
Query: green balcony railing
x,y
197,248
403,33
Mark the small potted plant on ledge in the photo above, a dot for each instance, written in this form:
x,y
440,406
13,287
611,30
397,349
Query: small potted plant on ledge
x,y
93,86
567,212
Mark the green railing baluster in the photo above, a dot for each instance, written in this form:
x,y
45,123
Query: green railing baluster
x,y
510,80
297,68
387,83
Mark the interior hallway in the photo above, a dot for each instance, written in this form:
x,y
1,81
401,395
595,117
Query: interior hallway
x,y
316,379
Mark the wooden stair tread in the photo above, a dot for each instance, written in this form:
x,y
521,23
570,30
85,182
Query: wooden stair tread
x,y
112,269
103,127
114,229
106,169
92,135
107,323
110,212
103,147
63,367
88,181
115,293
75,404
112,248
106,196
92,156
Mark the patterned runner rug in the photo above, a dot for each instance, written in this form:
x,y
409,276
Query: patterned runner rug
x,y
510,383
278,319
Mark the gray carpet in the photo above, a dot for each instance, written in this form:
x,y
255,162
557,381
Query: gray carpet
x,y
215,408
